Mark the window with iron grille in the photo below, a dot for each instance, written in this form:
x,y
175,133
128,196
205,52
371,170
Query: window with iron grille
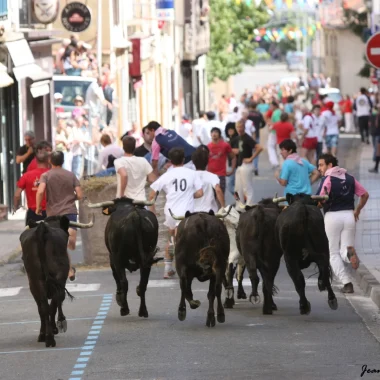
x,y
3,10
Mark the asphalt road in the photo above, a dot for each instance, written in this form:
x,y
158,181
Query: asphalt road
x,y
100,344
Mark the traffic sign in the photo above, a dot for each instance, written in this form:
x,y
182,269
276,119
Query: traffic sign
x,y
373,50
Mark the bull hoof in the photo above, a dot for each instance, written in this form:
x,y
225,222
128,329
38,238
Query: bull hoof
x,y
305,309
143,313
41,338
221,318
138,290
210,322
267,311
119,299
55,330
274,306
124,311
182,314
195,304
229,303
254,299
321,286
229,293
333,304
62,326
50,341
241,295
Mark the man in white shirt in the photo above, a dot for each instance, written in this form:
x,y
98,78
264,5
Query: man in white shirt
x,y
200,136
363,108
331,122
211,184
108,150
250,129
185,130
309,135
181,185
132,172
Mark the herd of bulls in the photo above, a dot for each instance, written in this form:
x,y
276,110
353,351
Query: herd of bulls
x,y
209,247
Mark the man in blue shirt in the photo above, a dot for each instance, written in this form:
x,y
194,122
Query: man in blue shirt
x,y
297,174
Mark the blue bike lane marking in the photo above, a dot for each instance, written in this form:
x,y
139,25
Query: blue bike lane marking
x,y
92,338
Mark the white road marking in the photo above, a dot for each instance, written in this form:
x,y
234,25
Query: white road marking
x,y
82,287
9,292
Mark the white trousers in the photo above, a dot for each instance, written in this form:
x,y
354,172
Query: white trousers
x,y
340,230
244,182
349,122
272,149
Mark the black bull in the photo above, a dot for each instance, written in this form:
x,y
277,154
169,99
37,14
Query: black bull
x,y
201,251
300,231
256,241
131,237
44,251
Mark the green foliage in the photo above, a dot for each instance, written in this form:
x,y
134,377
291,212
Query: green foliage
x,y
232,28
357,22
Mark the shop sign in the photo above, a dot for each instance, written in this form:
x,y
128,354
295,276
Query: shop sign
x,y
76,17
45,11
165,10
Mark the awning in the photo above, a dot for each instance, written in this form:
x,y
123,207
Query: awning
x,y
24,63
40,88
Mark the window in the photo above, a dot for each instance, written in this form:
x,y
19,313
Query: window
x,y
3,10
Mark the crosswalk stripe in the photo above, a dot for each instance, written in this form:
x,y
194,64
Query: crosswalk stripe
x,y
82,287
9,292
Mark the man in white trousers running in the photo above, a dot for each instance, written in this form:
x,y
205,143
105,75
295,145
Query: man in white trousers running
x,y
341,216
246,148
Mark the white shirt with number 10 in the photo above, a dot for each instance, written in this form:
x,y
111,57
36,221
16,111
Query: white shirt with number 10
x,y
179,185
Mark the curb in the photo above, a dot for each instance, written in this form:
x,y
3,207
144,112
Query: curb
x,y
10,256
368,284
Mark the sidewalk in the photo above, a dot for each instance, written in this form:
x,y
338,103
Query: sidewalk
x,y
368,228
10,231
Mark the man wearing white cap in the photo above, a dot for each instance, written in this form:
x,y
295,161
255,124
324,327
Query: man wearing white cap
x,y
58,100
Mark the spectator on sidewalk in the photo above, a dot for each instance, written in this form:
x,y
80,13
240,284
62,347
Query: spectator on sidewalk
x,y
79,142
29,182
62,142
25,154
62,190
58,57
341,216
347,109
217,158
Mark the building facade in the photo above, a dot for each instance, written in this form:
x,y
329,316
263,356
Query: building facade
x,y
25,101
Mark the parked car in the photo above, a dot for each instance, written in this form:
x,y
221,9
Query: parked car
x,y
296,61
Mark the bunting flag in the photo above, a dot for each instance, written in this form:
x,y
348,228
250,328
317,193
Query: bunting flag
x,y
291,32
289,4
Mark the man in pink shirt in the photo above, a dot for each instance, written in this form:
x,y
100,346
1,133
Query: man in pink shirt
x,y
164,141
341,216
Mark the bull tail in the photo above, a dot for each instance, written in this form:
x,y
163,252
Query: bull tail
x,y
54,288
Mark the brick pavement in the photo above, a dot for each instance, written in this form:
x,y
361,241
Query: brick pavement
x,y
368,228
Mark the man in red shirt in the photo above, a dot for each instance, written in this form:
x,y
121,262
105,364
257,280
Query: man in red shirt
x,y
43,146
284,129
219,152
29,182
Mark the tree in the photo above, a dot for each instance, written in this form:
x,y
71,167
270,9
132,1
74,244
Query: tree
x,y
232,28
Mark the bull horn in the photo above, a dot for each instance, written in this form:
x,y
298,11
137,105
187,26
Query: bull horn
x,y
221,216
278,200
320,197
83,225
176,217
147,203
101,204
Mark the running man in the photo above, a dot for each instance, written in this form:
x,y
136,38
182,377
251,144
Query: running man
x,y
181,185
164,141
246,149
310,134
62,189
341,216
211,184
295,171
29,182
